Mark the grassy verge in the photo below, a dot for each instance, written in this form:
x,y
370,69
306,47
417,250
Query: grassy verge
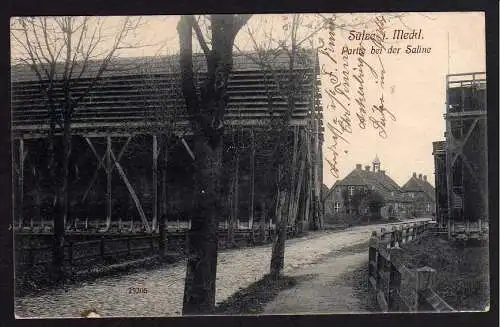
x,y
253,299
462,270
358,280
38,279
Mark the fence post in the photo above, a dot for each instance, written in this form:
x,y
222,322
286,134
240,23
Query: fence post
x,y
372,260
393,236
394,278
425,278
399,234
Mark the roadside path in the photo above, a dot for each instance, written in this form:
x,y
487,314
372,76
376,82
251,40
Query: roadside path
x,y
236,269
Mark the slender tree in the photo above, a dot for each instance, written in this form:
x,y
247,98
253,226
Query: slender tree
x,y
288,81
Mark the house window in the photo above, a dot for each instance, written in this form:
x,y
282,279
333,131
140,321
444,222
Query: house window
x,y
351,190
373,187
337,206
392,193
411,195
428,207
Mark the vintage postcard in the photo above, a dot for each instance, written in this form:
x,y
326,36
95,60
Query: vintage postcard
x,y
249,164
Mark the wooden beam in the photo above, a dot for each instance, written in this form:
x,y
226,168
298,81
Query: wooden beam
x,y
100,159
188,149
469,132
96,172
299,187
482,191
461,142
164,181
155,183
252,180
108,182
21,181
132,192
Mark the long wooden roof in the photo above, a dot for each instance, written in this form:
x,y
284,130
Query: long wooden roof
x,y
140,94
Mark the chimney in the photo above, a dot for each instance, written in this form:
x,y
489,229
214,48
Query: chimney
x,y
415,175
420,176
358,166
383,172
425,178
367,168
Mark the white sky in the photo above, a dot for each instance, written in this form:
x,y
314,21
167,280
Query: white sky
x,y
414,84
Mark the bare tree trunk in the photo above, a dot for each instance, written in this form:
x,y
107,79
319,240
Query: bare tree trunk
x,y
278,251
207,120
199,291
67,156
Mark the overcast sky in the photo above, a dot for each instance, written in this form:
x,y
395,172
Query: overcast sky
x,y
414,84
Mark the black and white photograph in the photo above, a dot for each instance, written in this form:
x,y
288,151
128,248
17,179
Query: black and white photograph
x,y
249,164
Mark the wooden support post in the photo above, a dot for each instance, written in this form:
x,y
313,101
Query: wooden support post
x,y
108,182
162,225
394,278
155,184
21,182
393,236
252,180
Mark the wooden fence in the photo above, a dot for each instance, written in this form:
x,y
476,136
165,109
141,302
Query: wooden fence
x,y
83,247
397,287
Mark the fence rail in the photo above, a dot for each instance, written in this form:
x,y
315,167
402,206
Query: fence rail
x,y
397,287
119,226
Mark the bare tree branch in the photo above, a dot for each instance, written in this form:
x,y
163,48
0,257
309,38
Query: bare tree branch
x,y
201,38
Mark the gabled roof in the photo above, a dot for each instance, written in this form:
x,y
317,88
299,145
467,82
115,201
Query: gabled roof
x,y
381,181
415,184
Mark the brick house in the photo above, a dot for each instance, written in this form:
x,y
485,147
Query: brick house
x,y
421,196
350,196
